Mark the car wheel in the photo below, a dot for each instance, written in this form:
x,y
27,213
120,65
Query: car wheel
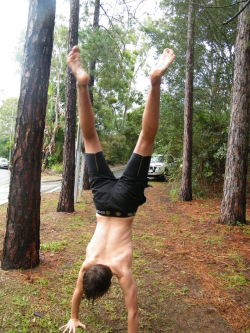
x,y
162,178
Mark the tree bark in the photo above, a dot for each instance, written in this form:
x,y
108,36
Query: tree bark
x,y
186,186
233,206
22,238
92,66
66,200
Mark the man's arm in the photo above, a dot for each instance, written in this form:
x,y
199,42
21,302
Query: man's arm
x,y
74,322
128,285
77,295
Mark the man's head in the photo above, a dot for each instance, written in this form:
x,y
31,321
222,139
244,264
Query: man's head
x,y
96,281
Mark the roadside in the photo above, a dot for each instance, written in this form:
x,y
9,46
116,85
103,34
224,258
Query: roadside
x,y
50,181
192,273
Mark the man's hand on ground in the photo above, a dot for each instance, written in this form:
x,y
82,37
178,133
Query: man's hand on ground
x,y
72,325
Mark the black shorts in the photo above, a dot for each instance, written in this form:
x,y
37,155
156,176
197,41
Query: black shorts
x,y
117,197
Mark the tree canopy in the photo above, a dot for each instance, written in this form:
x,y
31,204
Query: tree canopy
x,y
123,46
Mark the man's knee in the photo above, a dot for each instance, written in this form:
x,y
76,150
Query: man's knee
x,y
144,147
147,138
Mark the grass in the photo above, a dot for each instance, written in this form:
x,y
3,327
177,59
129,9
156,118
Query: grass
x,y
214,240
172,289
210,274
234,280
236,258
53,246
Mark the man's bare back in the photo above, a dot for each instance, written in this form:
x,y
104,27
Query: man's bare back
x,y
111,244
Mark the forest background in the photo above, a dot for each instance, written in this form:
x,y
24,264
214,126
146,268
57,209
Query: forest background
x,y
125,43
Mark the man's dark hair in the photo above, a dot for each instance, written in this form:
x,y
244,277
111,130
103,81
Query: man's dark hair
x,y
96,281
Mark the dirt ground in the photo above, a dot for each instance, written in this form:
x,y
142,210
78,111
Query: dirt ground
x,y
192,273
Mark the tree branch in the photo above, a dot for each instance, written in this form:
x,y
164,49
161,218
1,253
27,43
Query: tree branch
x,y
237,14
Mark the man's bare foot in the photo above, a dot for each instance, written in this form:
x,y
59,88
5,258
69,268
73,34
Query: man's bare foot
x,y
74,63
165,61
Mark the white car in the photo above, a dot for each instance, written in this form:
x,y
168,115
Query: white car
x,y
158,167
4,163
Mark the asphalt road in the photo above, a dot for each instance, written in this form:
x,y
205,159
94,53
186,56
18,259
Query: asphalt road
x,y
47,186
4,185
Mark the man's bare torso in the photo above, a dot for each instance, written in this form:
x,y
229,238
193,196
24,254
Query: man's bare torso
x,y
111,244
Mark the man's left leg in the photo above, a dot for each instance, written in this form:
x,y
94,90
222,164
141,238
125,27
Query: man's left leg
x,y
138,165
150,118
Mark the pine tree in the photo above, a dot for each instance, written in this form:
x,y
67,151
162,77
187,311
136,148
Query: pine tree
x,y
22,238
233,206
66,200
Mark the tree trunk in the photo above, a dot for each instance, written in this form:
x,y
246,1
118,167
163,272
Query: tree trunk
x,y
86,184
186,186
22,238
66,200
92,66
49,149
233,206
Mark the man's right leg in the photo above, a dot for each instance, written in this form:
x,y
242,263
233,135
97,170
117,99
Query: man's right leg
x,y
97,165
87,119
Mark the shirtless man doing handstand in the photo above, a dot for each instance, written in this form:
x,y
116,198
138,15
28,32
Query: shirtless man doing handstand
x,y
109,252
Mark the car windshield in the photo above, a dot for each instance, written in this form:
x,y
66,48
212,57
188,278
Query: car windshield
x,y
157,159
3,160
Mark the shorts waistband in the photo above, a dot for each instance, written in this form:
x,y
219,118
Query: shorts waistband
x,y
115,213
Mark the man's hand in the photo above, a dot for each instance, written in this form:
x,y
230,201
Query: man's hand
x,y
72,325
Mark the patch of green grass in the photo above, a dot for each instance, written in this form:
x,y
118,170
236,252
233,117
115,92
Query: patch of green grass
x,y
214,240
174,218
140,262
183,291
76,219
54,246
42,281
110,307
172,289
136,254
174,194
20,301
232,281
147,270
74,225
159,245
237,259
156,242
34,292
246,231
57,168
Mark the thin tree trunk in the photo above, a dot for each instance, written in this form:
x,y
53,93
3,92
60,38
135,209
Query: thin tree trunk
x,y
22,238
50,148
186,186
92,66
86,184
233,206
66,200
